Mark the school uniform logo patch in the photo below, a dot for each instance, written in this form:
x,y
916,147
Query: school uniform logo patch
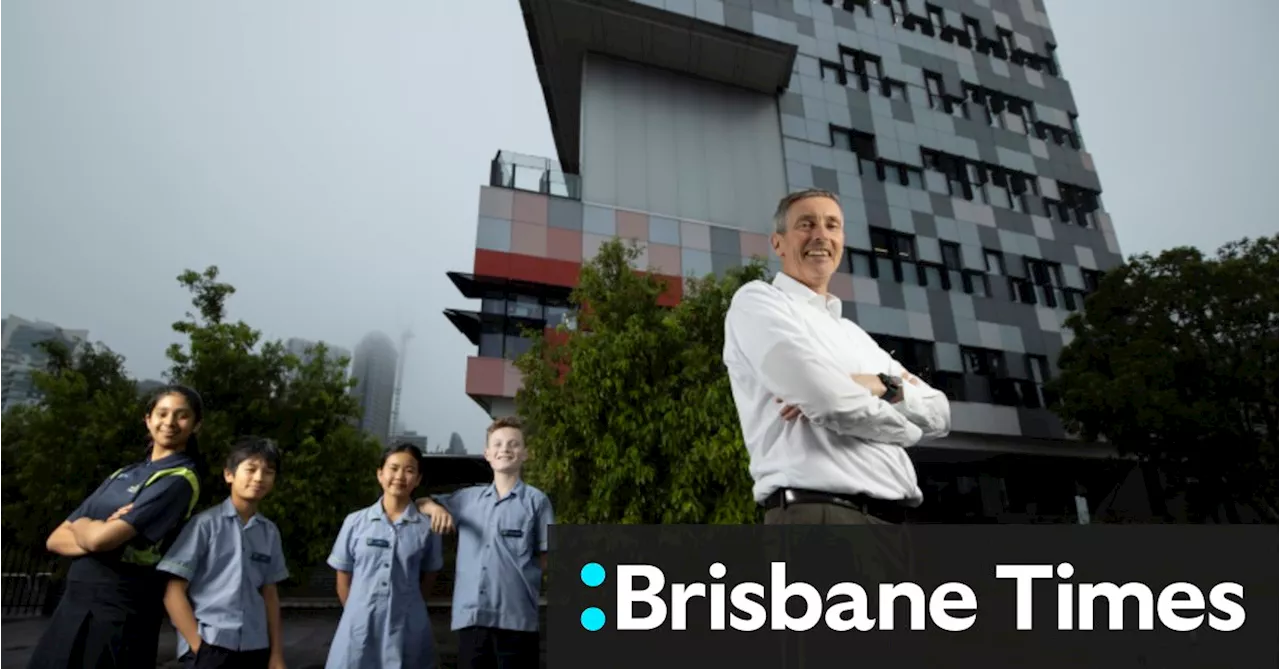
x,y
260,557
514,534
378,543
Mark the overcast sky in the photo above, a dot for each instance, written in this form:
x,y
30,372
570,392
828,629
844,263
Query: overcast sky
x,y
327,156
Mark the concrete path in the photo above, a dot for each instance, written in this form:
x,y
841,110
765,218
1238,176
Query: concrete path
x,y
307,633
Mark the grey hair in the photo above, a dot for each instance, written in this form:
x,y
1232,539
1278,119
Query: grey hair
x,y
784,205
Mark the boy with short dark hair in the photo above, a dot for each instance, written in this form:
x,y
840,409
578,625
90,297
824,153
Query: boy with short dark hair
x,y
225,566
496,591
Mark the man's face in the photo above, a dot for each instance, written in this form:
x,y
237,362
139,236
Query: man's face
x,y
813,244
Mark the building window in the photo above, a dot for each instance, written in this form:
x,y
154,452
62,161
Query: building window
x,y
1020,290
1035,395
914,355
937,23
558,315
982,362
1076,142
865,67
973,33
976,283
1079,205
832,72
903,175
523,306
491,340
862,144
950,255
894,90
892,250
860,263
1092,279
1046,278
994,261
889,243
1006,43
934,88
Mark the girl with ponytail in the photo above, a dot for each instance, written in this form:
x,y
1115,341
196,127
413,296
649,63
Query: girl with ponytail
x,y
111,612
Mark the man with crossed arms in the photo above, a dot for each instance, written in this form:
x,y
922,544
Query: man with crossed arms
x,y
827,415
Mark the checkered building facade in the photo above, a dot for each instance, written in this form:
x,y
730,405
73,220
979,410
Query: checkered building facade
x,y
974,219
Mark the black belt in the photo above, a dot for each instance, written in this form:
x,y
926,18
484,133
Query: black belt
x,y
891,510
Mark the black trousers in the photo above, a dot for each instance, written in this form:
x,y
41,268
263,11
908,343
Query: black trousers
x,y
491,648
100,626
216,657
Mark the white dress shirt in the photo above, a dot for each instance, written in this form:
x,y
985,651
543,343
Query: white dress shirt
x,y
784,341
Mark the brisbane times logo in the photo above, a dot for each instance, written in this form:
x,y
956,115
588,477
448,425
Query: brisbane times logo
x,y
645,601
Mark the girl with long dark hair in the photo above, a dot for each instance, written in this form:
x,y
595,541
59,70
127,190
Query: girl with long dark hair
x,y
110,614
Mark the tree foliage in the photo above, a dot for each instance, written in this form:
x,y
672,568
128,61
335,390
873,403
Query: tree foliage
x,y
1175,360
89,422
630,418
255,387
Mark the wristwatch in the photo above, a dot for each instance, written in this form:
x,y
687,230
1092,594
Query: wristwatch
x,y
892,388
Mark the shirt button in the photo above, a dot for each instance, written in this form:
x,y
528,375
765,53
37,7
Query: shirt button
x,y
385,565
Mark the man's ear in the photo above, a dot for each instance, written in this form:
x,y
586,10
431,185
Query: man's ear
x,y
775,240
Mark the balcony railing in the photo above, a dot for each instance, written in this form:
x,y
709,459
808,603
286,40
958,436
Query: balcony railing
x,y
533,174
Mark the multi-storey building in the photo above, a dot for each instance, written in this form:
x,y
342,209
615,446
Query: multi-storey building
x,y
304,349
374,369
22,355
974,221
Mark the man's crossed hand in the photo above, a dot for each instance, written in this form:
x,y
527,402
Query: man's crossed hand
x,y
871,382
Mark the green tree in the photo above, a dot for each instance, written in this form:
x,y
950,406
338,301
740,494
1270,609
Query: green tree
x,y
630,417
255,387
87,424
1175,360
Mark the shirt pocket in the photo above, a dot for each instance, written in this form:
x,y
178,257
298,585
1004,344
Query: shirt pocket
x,y
517,536
372,553
260,568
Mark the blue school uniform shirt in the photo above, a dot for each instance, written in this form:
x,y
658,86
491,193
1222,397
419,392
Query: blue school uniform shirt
x,y
385,621
499,569
226,564
158,513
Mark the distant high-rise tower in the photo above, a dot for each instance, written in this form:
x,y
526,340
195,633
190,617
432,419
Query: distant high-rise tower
x,y
455,445
301,347
22,354
374,369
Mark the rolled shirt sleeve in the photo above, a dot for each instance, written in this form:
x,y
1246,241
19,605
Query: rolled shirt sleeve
x,y
186,556
925,406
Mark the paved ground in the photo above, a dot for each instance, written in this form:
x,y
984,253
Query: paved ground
x,y
307,634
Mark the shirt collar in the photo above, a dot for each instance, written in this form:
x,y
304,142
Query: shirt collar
x,y
180,459
410,515
228,510
796,290
492,490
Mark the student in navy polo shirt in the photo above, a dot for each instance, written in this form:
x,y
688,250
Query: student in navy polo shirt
x,y
502,552
110,615
225,565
